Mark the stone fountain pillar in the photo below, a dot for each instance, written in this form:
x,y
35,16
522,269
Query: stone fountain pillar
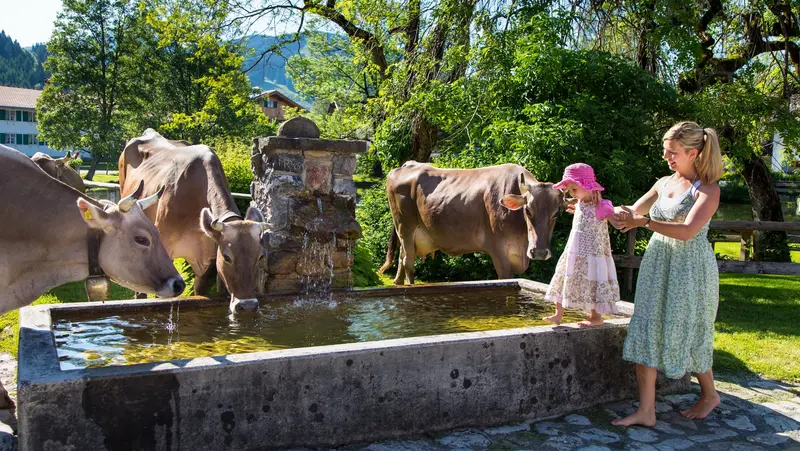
x,y
304,187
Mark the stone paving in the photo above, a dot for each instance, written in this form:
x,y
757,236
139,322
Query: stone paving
x,y
754,415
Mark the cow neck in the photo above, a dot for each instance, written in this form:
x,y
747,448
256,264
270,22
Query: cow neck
x,y
229,216
93,237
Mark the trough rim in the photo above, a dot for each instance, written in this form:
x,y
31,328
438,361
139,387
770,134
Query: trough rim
x,y
39,364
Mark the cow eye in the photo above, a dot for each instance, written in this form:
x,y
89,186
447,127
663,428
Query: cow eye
x,y
141,240
261,257
226,258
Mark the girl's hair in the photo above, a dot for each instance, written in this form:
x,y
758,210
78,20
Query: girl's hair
x,y
709,158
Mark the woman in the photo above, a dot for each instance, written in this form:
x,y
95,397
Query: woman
x,y
677,291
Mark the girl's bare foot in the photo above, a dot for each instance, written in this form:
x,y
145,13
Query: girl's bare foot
x,y
591,322
644,418
555,319
702,408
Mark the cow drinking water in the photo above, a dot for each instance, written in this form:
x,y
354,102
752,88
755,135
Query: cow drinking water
x,y
44,237
501,210
196,188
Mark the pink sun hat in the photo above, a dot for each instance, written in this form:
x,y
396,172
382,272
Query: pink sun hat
x,y
581,174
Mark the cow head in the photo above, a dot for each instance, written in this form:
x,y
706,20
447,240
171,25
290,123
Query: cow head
x,y
239,252
131,253
541,204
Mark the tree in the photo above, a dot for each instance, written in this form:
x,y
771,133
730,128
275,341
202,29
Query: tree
x,y
20,67
92,76
738,62
194,87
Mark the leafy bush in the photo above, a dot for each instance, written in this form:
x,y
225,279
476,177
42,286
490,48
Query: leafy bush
x,y
734,191
364,268
75,163
235,158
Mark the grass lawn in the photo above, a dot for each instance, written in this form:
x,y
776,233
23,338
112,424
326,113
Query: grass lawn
x,y
758,326
731,250
105,178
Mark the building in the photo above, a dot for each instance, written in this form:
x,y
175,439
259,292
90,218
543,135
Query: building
x,y
273,102
18,126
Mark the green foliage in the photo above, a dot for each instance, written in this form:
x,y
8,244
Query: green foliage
x,y
94,75
364,268
75,163
235,158
373,214
19,67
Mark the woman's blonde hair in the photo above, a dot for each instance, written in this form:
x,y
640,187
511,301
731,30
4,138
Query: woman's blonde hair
x,y
709,158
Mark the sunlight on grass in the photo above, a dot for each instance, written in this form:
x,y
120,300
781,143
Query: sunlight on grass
x,y
731,250
757,326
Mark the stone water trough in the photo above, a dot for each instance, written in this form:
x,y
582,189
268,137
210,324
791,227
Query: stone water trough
x,y
317,396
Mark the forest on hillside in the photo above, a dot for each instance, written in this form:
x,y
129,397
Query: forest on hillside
x,y
21,67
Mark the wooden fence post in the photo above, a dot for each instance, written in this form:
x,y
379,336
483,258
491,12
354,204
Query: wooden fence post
x,y
744,245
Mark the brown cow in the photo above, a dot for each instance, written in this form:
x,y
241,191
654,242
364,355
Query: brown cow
x,y
44,230
196,188
60,169
459,211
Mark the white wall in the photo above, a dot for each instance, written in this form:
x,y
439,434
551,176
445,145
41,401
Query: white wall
x,y
25,128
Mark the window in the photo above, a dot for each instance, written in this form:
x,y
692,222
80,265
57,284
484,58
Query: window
x,y
33,116
26,116
26,139
10,138
19,116
2,115
19,138
270,104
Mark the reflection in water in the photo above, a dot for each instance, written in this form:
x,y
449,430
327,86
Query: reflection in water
x,y
136,336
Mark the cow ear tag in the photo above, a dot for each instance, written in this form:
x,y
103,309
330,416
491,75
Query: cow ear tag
x,y
87,214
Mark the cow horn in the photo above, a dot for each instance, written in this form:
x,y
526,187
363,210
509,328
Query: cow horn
x,y
217,225
523,187
127,202
149,201
265,227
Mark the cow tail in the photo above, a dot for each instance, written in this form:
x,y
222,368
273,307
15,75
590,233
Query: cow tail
x,y
391,251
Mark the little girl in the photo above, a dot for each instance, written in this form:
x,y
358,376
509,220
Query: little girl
x,y
585,274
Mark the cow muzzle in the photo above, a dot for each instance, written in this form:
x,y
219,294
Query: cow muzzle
x,y
243,305
540,254
173,286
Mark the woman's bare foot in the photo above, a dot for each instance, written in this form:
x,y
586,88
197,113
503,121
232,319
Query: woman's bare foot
x,y
702,408
644,418
555,319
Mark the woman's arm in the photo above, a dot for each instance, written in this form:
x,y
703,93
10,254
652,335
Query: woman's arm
x,y
702,212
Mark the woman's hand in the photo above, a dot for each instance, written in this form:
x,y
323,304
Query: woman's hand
x,y
626,219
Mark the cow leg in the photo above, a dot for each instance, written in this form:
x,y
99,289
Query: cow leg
x,y
408,253
203,275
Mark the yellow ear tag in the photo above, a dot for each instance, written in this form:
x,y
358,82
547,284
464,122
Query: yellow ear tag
x,y
87,214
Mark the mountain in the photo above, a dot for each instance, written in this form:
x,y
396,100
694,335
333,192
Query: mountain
x,y
21,68
270,71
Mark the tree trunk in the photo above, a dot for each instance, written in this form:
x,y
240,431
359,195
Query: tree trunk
x,y
767,246
424,137
92,169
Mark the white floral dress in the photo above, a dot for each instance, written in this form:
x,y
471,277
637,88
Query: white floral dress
x,y
586,276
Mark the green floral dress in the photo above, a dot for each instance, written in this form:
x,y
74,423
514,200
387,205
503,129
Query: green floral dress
x,y
677,294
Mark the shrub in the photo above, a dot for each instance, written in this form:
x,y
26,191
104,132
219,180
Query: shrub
x,y
75,164
364,268
235,158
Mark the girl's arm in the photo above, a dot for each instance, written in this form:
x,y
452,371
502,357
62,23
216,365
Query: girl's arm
x,y
702,212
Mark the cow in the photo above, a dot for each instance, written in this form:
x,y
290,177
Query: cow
x,y
45,231
196,188
60,169
501,210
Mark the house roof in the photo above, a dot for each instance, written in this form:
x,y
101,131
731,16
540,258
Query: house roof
x,y
18,97
280,95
